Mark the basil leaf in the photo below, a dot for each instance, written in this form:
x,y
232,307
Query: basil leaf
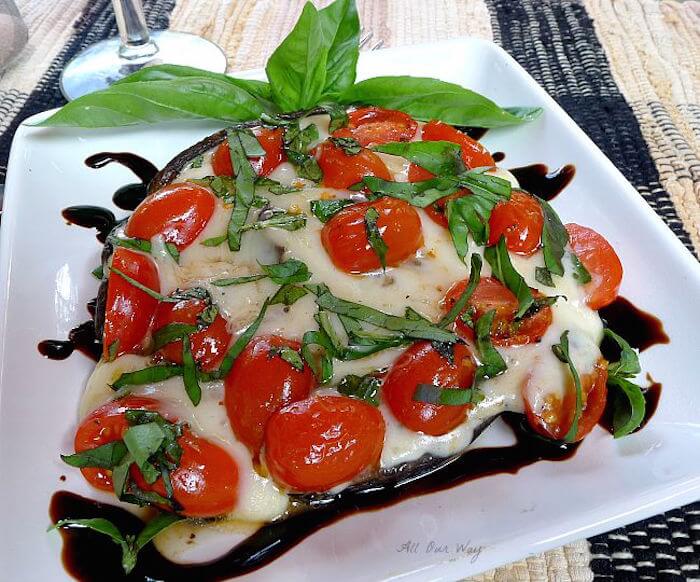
x,y
350,146
189,373
341,27
237,280
207,316
98,273
461,303
426,99
292,357
317,351
197,162
250,143
317,58
363,387
158,101
420,194
629,406
561,351
554,239
446,396
142,441
415,329
241,342
324,210
167,72
438,157
245,189
224,187
106,456
170,333
140,286
154,527
296,144
290,271
274,187
281,220
470,215
628,365
543,276
147,375
374,236
214,241
172,251
492,363
136,244
499,259
338,115
580,273
288,295
120,475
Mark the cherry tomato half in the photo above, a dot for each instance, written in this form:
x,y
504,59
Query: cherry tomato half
x,y
520,220
341,170
602,262
345,235
374,125
490,294
554,417
321,442
423,364
128,310
259,384
179,212
208,345
271,140
102,426
205,483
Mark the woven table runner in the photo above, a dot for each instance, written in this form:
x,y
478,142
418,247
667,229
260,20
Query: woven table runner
x,y
627,71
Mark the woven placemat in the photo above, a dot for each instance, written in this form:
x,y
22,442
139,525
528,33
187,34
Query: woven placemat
x,y
627,71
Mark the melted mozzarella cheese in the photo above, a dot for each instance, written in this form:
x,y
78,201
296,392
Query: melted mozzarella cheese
x,y
419,283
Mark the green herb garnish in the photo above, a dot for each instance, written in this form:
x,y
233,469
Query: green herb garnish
x,y
324,210
499,259
363,387
374,236
561,351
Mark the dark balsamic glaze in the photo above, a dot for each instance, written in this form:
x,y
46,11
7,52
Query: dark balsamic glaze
x,y
91,217
130,196
81,338
641,329
89,556
498,156
474,132
538,180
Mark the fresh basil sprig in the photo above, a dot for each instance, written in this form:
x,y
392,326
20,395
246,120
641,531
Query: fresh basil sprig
x,y
350,146
106,456
286,272
561,351
296,142
446,396
189,372
463,299
554,239
628,402
150,375
497,256
492,363
130,545
288,295
442,158
245,188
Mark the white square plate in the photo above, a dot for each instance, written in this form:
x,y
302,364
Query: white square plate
x,y
45,273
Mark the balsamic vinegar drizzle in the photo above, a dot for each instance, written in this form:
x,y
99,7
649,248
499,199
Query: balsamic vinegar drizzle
x,y
91,217
498,156
538,180
81,338
89,556
130,196
641,329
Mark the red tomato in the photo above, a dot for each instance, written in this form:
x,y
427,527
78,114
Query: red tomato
x,y
423,364
259,384
554,417
271,140
490,294
374,125
520,220
321,442
602,262
102,426
205,483
179,212
208,345
345,236
341,170
128,310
